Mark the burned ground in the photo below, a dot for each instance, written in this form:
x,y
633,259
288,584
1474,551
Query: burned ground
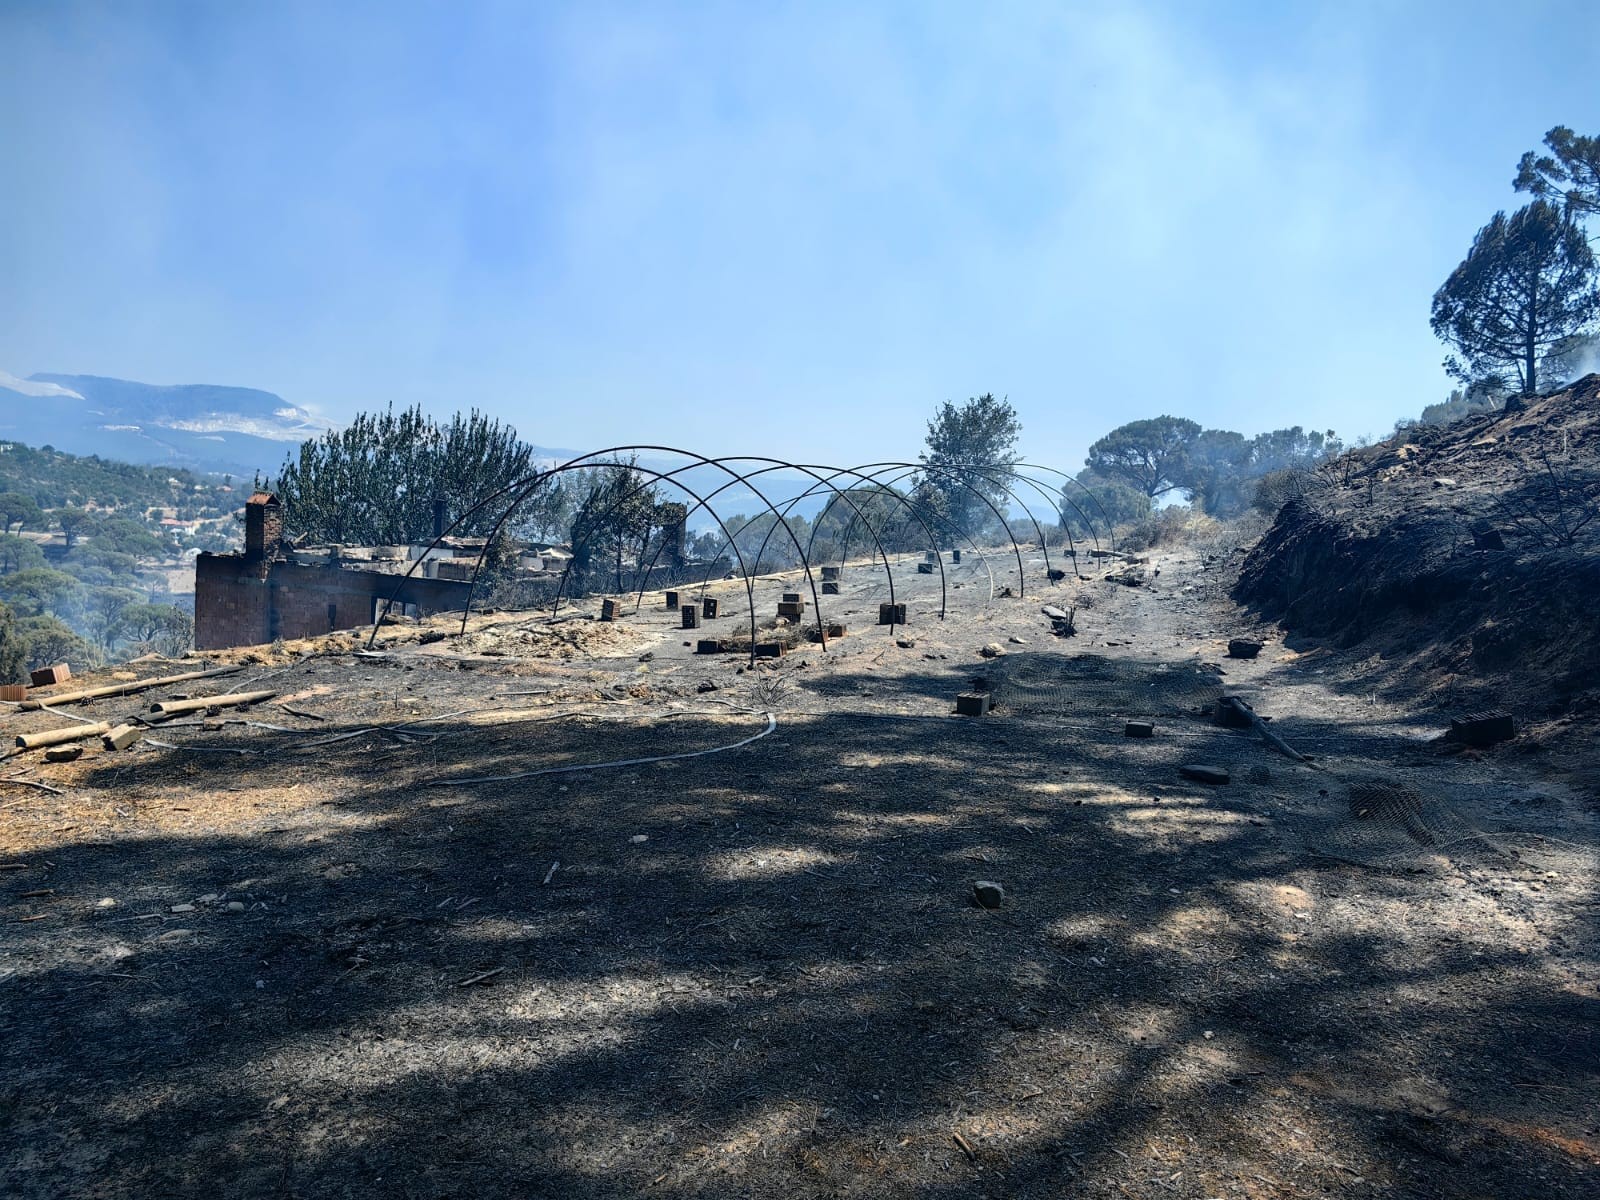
x,y
1463,559
760,972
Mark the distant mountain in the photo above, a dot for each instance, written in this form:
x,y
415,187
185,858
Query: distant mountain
x,y
240,431
228,430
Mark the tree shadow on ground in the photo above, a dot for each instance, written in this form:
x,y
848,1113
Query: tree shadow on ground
x,y
785,989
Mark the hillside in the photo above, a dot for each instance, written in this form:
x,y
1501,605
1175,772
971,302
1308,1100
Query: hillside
x,y
207,428
96,569
1463,558
55,479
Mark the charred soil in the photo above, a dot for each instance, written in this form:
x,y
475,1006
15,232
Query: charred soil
x,y
463,919
1464,560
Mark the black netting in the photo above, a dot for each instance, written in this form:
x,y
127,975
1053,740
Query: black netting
x,y
1047,683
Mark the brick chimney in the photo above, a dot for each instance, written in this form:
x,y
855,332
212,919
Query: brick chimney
x,y
263,527
673,519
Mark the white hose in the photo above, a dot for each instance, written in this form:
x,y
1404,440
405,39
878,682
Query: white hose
x,y
772,723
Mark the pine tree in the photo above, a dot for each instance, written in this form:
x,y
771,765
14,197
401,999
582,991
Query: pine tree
x,y
1527,285
971,450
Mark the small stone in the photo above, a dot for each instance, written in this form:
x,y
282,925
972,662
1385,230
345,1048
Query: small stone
x,y
181,908
57,754
208,898
639,839
988,893
1139,729
906,643
105,902
1204,773
993,650
1017,641
236,906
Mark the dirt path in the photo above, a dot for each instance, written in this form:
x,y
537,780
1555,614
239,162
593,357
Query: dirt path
x,y
270,968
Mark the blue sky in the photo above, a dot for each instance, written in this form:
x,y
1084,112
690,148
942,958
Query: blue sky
x,y
773,228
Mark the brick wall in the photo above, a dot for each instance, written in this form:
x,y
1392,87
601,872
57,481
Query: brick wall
x,y
240,603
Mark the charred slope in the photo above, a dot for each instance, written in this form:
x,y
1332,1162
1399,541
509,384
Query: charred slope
x,y
1470,550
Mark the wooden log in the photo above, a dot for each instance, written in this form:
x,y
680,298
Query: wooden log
x,y
171,708
1237,714
55,737
127,689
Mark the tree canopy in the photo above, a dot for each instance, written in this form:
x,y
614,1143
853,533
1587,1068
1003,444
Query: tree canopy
x,y
970,452
1526,286
374,482
614,519
19,510
1112,500
13,649
71,520
18,554
1150,455
1216,468
36,591
1570,173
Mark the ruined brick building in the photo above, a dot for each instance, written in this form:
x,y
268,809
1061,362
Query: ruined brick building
x,y
272,591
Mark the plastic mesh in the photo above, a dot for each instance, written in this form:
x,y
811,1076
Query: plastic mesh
x,y
1089,683
1385,822
1364,818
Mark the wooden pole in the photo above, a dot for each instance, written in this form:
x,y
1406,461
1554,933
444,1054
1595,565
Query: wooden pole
x,y
171,708
125,689
55,737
